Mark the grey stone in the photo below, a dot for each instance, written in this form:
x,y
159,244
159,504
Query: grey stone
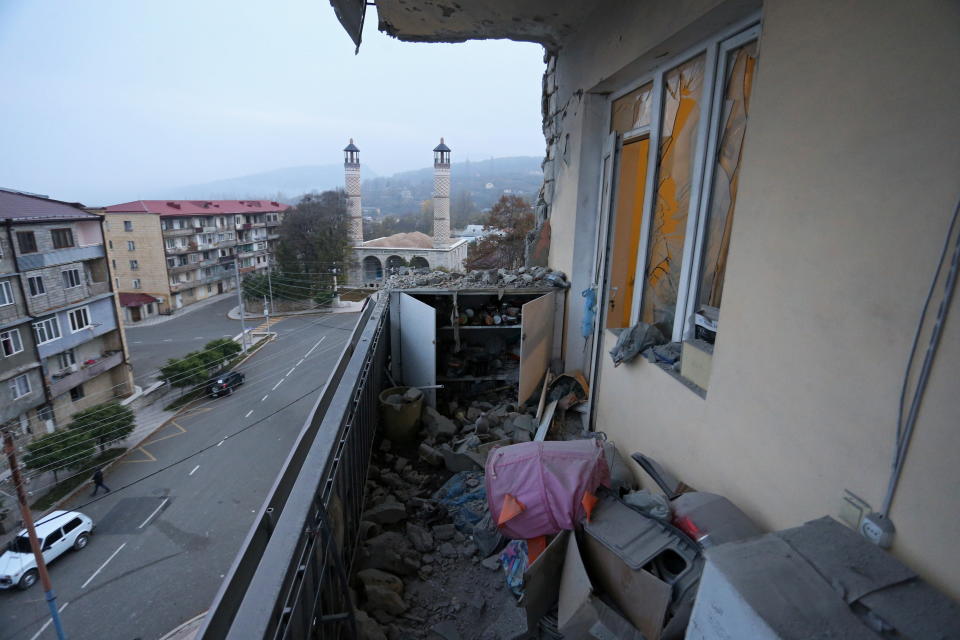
x,y
447,550
368,529
382,598
388,512
473,413
527,278
468,549
492,563
386,445
412,394
509,279
446,630
437,424
390,552
458,461
400,464
521,435
367,627
378,578
430,455
420,538
444,531
524,421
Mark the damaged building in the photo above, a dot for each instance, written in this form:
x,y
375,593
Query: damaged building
x,y
739,293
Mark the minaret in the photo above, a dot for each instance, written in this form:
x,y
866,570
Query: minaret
x,y
441,196
351,173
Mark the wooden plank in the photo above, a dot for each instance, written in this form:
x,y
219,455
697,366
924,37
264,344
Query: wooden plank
x,y
536,343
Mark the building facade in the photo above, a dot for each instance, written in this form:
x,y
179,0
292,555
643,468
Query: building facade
x,y
179,252
784,171
61,343
376,258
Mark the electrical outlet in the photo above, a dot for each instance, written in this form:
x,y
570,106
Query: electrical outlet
x,y
878,530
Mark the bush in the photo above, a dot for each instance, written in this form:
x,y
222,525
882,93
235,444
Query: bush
x,y
104,423
65,448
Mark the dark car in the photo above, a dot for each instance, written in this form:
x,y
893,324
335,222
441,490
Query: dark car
x,y
224,384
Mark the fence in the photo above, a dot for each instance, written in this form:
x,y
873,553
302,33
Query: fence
x,y
290,578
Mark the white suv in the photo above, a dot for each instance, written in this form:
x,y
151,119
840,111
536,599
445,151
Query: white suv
x,y
57,532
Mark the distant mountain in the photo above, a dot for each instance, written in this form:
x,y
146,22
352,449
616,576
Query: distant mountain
x,y
286,184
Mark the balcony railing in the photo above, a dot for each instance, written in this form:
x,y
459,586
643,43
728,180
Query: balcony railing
x,y
290,577
97,288
59,256
63,384
173,233
190,284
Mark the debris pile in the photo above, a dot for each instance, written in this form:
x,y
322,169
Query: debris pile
x,y
524,277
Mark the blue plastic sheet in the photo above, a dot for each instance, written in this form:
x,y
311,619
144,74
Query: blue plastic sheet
x,y
513,559
466,505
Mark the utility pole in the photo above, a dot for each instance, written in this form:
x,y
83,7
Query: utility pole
x,y
336,294
243,324
32,533
269,283
266,312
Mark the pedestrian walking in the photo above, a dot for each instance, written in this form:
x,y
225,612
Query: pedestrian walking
x,y
98,483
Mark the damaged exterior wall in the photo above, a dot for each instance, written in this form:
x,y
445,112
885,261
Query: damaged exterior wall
x,y
834,241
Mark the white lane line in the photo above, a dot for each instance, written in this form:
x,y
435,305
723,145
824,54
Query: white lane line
x,y
264,397
315,346
112,555
248,413
194,470
47,623
144,523
277,385
221,442
291,371
167,340
298,364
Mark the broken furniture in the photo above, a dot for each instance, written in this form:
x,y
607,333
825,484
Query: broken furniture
x,y
819,580
463,337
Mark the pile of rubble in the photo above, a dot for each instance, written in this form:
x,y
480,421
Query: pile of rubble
x,y
524,277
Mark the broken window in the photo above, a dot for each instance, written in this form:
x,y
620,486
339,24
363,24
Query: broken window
x,y
632,111
631,181
733,122
682,89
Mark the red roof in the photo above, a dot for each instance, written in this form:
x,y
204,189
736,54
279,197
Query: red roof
x,y
25,207
135,299
197,207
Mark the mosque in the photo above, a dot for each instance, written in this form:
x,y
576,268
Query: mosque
x,y
373,258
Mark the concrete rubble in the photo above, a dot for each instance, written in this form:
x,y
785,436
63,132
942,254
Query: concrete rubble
x,y
524,277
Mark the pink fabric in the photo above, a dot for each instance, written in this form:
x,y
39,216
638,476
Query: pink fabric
x,y
549,478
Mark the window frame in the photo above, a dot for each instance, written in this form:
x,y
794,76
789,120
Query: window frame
x,y
77,393
33,241
85,310
41,289
7,292
135,283
69,236
45,324
131,245
716,51
15,386
128,225
67,358
134,265
4,338
67,279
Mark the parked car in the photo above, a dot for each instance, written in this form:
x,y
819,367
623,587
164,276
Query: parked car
x,y
57,532
224,384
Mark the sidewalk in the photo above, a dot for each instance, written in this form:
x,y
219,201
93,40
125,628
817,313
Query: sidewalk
x,y
179,313
345,307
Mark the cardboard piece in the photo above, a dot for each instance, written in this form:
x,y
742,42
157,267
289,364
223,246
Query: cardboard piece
x,y
542,580
581,614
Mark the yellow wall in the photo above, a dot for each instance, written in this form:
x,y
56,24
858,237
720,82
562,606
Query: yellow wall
x,y
148,252
847,185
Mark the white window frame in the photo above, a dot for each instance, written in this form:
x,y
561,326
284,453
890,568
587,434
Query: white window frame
x,y
6,293
49,327
41,288
131,245
128,225
136,283
134,265
67,358
85,312
67,279
15,386
715,51
13,336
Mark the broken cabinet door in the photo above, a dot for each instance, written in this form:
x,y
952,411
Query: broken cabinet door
x,y
418,345
536,343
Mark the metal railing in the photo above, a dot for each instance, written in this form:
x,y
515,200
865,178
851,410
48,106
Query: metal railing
x,y
290,578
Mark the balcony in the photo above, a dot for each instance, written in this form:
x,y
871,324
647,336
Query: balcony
x,y
190,284
173,233
272,223
226,259
191,247
32,261
62,384
98,288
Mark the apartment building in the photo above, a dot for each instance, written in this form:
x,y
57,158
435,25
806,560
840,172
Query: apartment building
x,y
61,344
167,254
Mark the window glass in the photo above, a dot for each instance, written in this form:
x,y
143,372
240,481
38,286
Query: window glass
x,y
62,238
70,526
127,225
67,358
79,319
77,393
53,537
134,265
628,214
683,86
131,245
6,293
20,386
26,241
46,330
35,284
71,278
632,111
733,126
10,342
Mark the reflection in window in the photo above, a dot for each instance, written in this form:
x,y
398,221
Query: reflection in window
x,y
733,123
628,214
632,111
683,86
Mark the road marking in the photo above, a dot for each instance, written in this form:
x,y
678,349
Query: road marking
x,y
289,372
112,555
221,442
144,523
47,623
138,342
277,385
194,470
315,346
264,397
298,364
248,413
167,340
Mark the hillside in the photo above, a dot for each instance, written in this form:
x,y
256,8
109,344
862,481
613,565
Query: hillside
x,y
285,184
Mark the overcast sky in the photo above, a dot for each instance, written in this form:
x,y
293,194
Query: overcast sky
x,y
103,101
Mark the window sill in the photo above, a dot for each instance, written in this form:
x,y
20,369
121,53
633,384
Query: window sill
x,y
668,368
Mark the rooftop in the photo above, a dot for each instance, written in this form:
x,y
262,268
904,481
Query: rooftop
x,y
135,299
22,207
197,207
412,240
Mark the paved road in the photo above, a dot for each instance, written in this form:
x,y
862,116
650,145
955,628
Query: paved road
x,y
151,346
163,542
